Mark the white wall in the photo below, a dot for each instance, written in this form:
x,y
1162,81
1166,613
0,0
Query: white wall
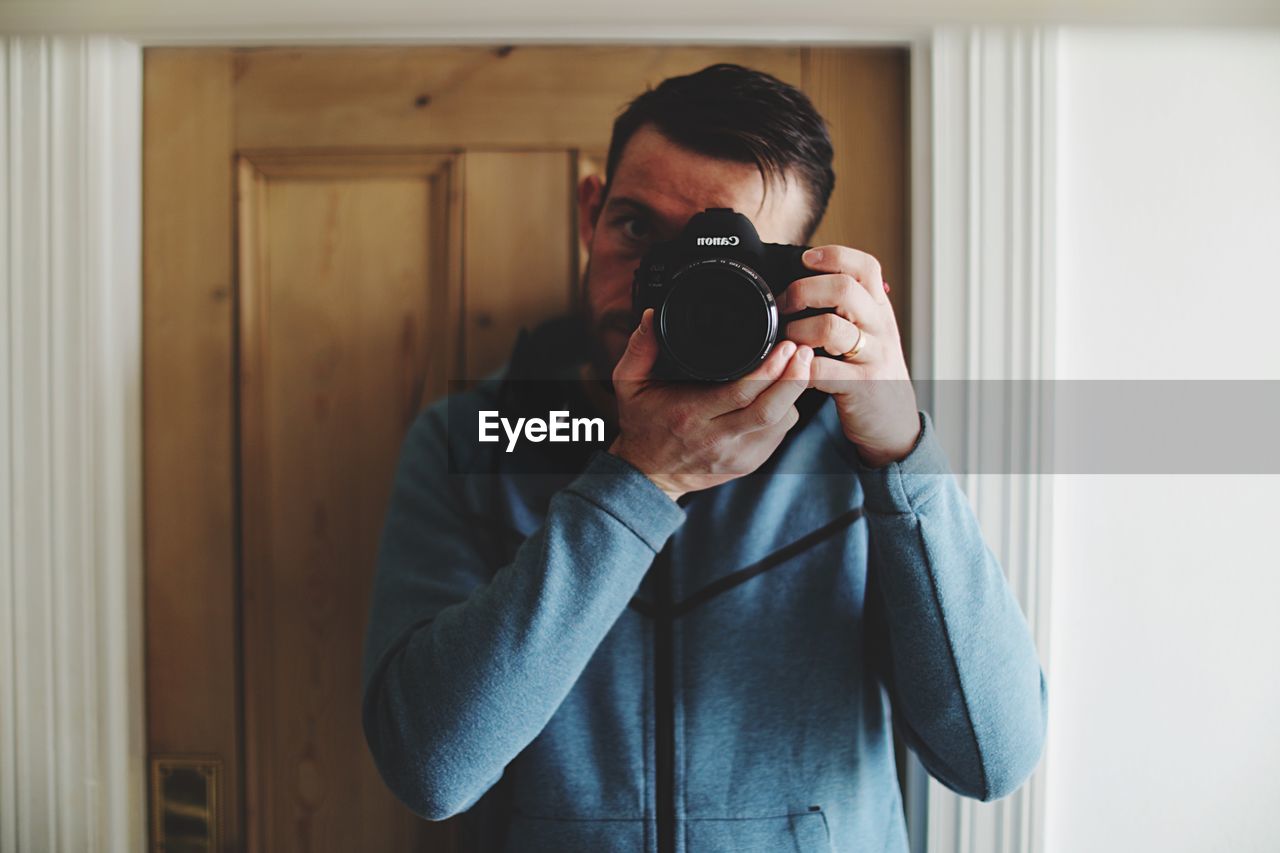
x,y
1165,675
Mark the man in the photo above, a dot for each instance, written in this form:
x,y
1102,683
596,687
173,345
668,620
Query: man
x,y
698,639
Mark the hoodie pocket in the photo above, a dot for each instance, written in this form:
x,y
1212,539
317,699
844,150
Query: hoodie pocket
x,y
803,832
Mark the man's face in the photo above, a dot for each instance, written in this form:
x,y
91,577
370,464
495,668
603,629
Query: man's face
x,y
657,187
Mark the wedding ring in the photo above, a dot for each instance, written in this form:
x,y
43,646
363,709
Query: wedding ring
x,y
857,348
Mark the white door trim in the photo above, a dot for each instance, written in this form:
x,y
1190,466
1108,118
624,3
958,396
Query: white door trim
x,y
983,313
72,735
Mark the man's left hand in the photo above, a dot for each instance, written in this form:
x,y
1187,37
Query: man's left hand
x,y
872,389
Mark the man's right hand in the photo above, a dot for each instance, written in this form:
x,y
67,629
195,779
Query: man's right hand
x,y
690,436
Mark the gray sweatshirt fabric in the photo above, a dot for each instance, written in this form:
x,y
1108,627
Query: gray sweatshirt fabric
x,y
579,663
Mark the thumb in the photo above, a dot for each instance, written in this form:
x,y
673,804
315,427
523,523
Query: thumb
x,y
641,354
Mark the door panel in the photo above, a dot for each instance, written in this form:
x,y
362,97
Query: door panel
x,y
330,235
337,337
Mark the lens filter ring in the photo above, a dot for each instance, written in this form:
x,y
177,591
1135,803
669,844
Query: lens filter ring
x,y
719,320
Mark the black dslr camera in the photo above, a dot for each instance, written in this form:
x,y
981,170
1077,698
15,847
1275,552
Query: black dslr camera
x,y
713,290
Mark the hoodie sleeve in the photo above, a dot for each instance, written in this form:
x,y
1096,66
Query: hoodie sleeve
x,y
464,666
953,647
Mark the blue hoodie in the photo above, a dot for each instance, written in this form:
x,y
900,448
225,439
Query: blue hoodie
x,y
581,664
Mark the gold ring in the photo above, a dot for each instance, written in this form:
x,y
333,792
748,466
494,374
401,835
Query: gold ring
x,y
857,347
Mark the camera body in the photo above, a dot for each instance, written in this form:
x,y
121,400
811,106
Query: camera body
x,y
714,292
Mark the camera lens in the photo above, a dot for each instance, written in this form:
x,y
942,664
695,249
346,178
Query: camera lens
x,y
718,320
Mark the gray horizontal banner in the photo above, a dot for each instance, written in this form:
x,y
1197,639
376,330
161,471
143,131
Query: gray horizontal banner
x,y
984,427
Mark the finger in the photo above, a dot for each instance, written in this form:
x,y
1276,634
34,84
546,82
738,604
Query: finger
x,y
641,353
842,259
790,419
741,393
840,291
835,376
771,407
830,332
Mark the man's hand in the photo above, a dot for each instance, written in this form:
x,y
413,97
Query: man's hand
x,y
873,391
687,437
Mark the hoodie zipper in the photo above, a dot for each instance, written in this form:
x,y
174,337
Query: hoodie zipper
x,y
664,704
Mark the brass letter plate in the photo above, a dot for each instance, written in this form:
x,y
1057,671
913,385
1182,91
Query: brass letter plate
x,y
184,804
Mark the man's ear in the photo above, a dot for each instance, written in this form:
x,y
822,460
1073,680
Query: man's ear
x,y
590,201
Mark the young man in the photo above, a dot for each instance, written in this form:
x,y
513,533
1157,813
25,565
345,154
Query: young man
x,y
697,640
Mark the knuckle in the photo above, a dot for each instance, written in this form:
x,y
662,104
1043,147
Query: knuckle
x,y
762,416
846,284
727,466
713,445
740,396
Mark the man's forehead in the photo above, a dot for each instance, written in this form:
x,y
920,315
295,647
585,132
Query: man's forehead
x,y
668,178
674,183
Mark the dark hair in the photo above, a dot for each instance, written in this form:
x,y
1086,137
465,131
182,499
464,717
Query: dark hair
x,y
735,113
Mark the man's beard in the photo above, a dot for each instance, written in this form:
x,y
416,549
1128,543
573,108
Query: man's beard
x,y
597,329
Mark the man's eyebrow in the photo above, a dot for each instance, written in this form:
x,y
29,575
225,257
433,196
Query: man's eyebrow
x,y
636,204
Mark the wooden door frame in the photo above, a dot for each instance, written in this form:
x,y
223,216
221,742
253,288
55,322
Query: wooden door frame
x,y
948,70
193,308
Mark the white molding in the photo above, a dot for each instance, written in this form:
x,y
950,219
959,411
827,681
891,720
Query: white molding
x,y
8,611
916,791
983,302
333,21
71,690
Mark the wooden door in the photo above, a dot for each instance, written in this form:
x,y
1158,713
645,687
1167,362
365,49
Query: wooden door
x,y
317,263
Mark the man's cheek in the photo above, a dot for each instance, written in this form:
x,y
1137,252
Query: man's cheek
x,y
616,268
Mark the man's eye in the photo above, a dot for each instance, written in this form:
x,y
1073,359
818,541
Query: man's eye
x,y
634,228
